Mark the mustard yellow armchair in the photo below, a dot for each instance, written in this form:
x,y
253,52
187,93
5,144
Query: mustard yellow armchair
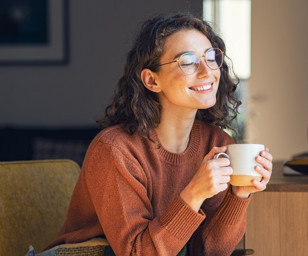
x,y
34,197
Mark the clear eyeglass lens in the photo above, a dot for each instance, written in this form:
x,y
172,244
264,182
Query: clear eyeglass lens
x,y
189,62
214,58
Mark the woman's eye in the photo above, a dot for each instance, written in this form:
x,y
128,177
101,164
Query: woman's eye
x,y
210,56
210,60
188,60
187,63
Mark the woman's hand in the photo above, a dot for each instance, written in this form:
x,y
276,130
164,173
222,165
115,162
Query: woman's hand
x,y
265,160
212,177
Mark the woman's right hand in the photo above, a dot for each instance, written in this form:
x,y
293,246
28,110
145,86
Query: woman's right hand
x,y
211,178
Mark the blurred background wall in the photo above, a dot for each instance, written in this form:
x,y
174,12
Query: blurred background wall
x,y
278,86
101,33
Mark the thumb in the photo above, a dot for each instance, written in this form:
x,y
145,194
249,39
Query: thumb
x,y
214,151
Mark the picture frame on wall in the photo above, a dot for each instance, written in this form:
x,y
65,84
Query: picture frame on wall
x,y
33,32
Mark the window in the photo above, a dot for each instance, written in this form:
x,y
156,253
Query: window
x,y
231,19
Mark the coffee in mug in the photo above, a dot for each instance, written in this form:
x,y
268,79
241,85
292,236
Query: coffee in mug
x,y
243,161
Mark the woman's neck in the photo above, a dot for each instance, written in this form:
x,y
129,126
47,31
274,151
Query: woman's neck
x,y
174,131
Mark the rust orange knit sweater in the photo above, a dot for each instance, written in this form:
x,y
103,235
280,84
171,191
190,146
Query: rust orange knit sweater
x,y
128,191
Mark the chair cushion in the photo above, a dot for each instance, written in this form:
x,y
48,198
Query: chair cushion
x,y
34,197
95,246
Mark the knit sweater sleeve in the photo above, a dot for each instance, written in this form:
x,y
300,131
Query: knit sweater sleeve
x,y
223,229
118,190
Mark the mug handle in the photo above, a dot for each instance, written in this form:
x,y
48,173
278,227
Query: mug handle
x,y
221,154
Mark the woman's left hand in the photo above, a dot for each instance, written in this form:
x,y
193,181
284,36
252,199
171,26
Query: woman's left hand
x,y
265,160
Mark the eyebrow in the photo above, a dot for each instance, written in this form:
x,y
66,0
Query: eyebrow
x,y
180,53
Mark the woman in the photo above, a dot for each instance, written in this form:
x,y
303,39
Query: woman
x,y
149,182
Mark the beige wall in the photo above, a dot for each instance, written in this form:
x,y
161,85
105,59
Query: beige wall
x,y
278,101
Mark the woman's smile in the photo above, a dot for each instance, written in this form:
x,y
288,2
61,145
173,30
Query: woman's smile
x,y
203,88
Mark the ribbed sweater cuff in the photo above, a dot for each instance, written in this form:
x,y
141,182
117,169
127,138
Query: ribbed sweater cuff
x,y
181,220
232,208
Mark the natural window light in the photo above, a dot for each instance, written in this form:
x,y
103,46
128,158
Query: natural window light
x,y
232,20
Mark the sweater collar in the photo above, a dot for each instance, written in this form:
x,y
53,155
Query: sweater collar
x,y
188,154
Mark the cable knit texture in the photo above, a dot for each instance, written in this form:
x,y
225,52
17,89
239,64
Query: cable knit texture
x,y
128,191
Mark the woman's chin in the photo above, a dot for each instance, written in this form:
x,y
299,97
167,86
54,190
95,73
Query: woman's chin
x,y
208,104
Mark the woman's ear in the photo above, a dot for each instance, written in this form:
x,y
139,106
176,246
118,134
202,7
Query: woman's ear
x,y
149,80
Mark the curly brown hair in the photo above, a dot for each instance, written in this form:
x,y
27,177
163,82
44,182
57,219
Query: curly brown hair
x,y
137,108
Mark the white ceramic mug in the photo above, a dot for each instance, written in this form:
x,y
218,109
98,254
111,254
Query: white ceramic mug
x,y
243,162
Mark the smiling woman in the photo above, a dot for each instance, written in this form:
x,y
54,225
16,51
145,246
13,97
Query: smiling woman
x,y
150,183
144,117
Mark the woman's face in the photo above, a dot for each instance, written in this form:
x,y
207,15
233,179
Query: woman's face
x,y
182,91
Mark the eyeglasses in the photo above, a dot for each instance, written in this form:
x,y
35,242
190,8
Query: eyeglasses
x,y
189,62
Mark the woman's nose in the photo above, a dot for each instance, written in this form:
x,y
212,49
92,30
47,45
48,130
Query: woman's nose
x,y
204,69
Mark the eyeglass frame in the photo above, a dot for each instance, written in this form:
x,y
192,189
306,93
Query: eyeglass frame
x,y
202,56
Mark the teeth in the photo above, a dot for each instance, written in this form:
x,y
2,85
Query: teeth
x,y
203,88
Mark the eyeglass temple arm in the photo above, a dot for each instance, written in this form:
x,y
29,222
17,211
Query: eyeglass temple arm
x,y
168,62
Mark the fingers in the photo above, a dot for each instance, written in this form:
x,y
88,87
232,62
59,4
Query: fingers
x,y
222,187
224,179
259,185
217,184
265,173
266,154
222,174
214,173
226,171
220,177
219,162
265,160
214,151
214,176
